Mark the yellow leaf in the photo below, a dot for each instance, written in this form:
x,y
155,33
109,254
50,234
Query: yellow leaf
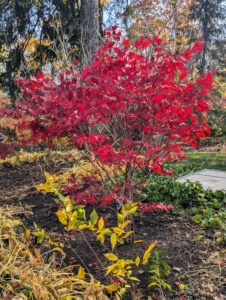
x,y
104,231
111,256
60,250
101,223
28,233
121,263
81,273
118,297
48,187
153,284
127,234
147,253
133,210
67,204
112,288
119,272
62,216
101,238
53,243
130,207
103,2
128,261
72,217
137,261
118,231
181,286
138,241
122,226
84,226
70,226
113,240
49,177
111,268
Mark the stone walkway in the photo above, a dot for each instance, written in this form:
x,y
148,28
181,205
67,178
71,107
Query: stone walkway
x,y
213,179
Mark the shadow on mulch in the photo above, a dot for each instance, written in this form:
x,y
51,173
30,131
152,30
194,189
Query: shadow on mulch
x,y
193,263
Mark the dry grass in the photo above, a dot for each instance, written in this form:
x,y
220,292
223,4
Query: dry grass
x,y
24,274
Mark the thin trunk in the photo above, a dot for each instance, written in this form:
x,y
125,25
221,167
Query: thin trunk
x,y
90,30
174,25
205,38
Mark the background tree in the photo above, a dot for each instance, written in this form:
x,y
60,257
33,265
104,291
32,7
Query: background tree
x,y
90,30
23,22
167,19
210,15
17,22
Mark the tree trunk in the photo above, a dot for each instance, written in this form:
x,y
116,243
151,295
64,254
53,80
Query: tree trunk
x,y
90,30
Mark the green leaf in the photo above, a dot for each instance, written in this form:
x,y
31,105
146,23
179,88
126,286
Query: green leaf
x,y
39,229
78,223
81,213
120,218
153,284
219,239
120,240
93,217
41,236
134,279
122,291
197,218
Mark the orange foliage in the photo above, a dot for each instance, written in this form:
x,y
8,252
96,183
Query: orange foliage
x,y
7,124
168,19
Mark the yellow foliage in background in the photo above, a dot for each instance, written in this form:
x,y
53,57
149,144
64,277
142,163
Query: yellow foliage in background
x,y
8,125
103,2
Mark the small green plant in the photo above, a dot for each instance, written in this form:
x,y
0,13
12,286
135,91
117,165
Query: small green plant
x,y
159,271
167,190
222,237
211,211
208,218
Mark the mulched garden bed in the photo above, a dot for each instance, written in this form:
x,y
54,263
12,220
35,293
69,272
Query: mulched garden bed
x,y
194,257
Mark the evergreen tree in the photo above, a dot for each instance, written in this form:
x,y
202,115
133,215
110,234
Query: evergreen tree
x,y
210,15
36,35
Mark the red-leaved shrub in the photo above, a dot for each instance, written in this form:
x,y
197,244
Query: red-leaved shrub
x,y
131,110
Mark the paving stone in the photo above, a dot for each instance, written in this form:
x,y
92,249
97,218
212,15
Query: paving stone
x,y
210,179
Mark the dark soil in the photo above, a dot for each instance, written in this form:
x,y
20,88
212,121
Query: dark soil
x,y
194,262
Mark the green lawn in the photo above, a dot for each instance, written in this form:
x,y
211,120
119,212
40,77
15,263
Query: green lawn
x,y
206,160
